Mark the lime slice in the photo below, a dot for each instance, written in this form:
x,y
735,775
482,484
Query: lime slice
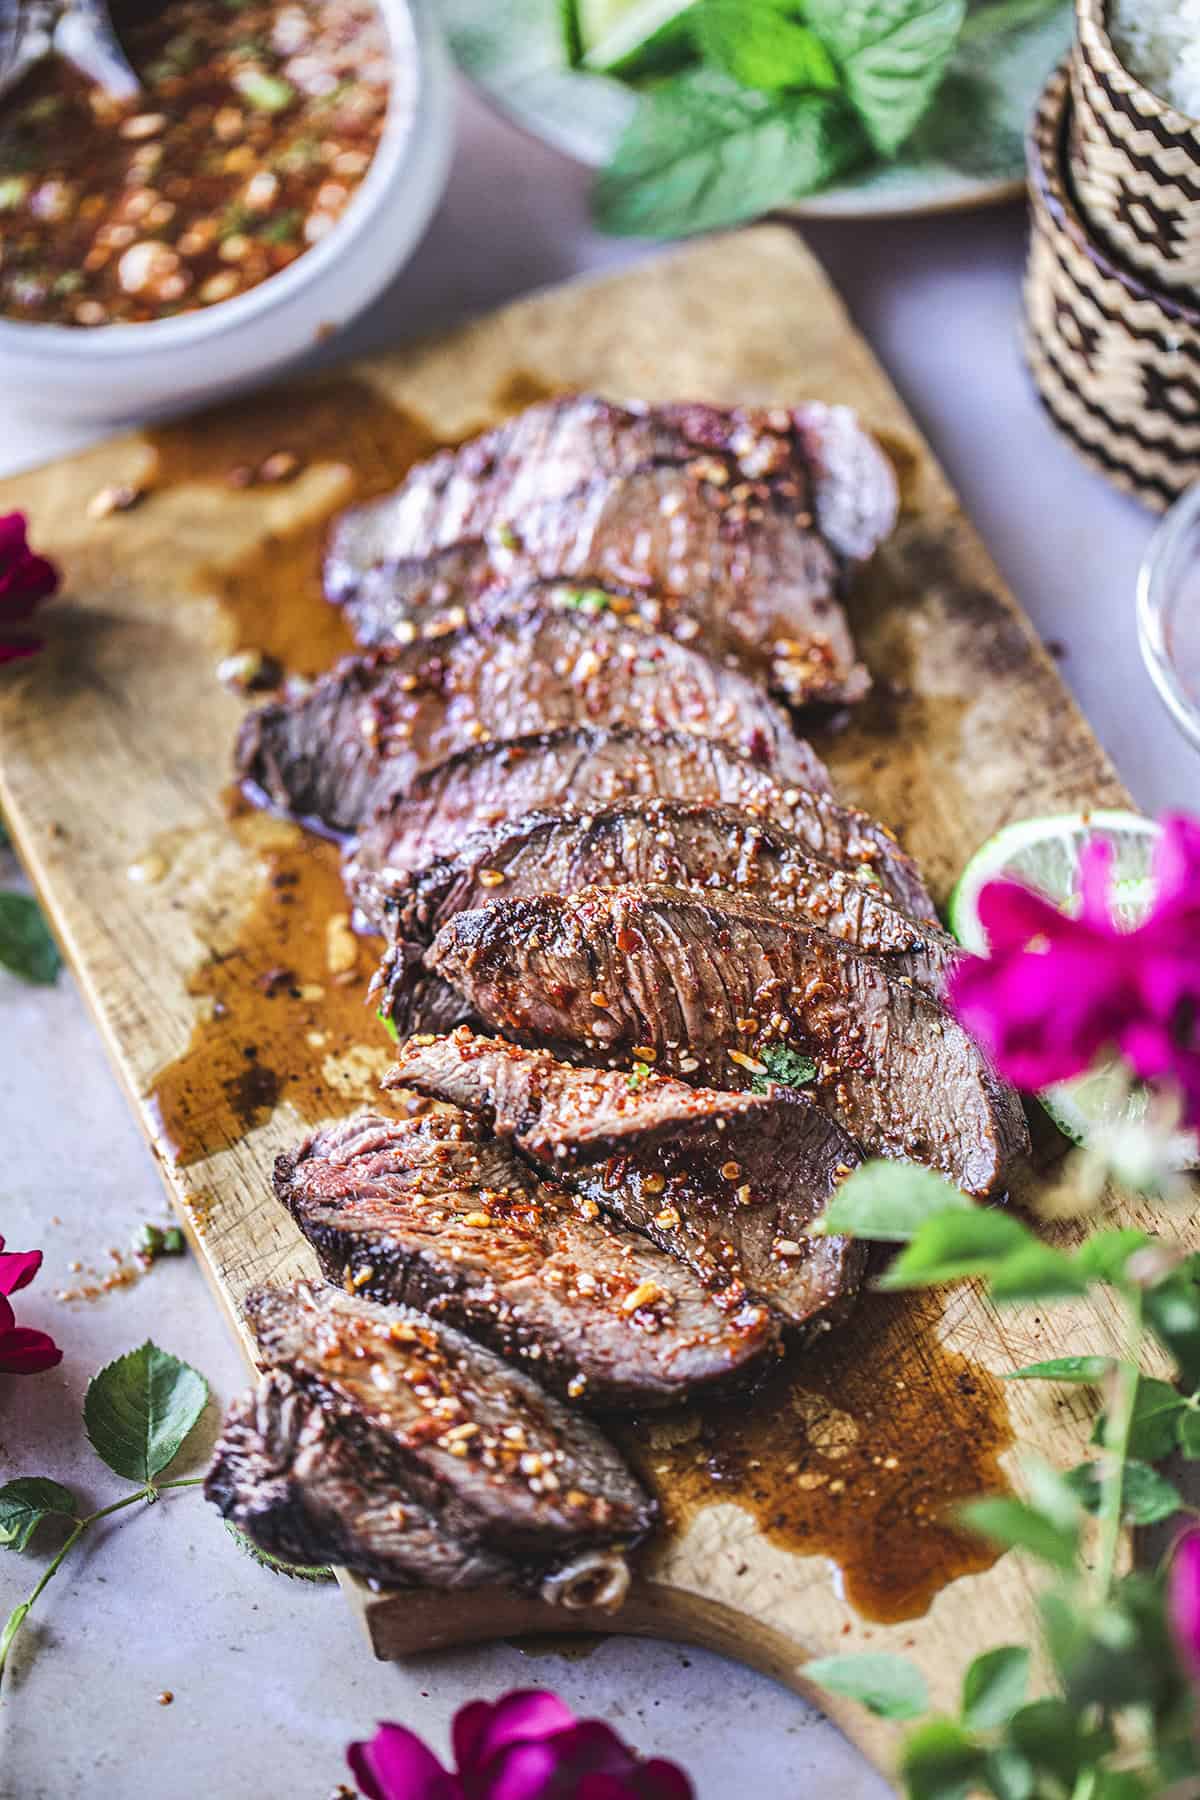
x,y
1044,854
632,37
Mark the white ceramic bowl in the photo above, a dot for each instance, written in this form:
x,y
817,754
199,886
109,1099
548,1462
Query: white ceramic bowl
x,y
118,372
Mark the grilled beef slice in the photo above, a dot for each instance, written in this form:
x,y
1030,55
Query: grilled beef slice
x,y
708,986
368,727
684,843
304,1487
581,767
549,451
730,1182
492,1462
741,579
438,1214
738,520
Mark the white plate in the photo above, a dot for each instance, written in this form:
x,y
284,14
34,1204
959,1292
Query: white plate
x,y
968,152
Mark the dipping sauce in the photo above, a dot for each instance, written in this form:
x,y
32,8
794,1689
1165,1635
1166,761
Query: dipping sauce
x,y
256,124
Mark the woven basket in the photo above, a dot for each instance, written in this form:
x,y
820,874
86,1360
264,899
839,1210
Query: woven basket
x,y
1135,162
1117,364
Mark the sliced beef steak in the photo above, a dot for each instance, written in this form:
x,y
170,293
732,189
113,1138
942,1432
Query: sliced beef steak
x,y
550,450
728,1181
368,727
707,986
581,767
743,578
438,1214
498,1465
556,1113
684,843
306,1487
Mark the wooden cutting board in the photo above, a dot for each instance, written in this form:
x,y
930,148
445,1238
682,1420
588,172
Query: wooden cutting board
x,y
211,945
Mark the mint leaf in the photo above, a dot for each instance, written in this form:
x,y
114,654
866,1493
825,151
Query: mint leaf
x,y
1103,1256
762,44
702,152
891,1687
1013,1525
389,1024
1187,1432
26,947
1036,1272
1146,1496
1049,1735
785,1068
24,1503
892,54
955,1244
994,1687
139,1410
1084,1370
890,1202
940,1762
1009,1775
1172,1311
1157,1412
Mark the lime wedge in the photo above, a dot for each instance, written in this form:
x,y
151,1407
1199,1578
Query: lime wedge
x,y
1044,854
627,38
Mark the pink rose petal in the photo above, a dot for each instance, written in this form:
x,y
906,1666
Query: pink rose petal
x,y
17,1268
24,1351
396,1765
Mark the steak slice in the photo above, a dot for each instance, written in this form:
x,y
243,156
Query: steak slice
x,y
684,843
501,1466
368,727
730,1182
304,1486
583,766
742,580
709,988
437,1214
550,450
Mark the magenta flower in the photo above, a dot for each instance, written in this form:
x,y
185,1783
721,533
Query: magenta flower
x,y
1183,1601
1056,991
23,1351
26,579
524,1746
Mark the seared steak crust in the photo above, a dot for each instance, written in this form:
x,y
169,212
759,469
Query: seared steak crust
x,y
307,1487
368,727
581,768
720,513
708,986
686,844
464,1435
730,1182
550,450
436,1214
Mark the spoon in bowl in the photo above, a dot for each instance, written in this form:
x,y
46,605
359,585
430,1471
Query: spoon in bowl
x,y
80,31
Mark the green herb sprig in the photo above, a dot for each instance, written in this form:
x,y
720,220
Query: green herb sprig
x,y
1122,1725
746,105
139,1412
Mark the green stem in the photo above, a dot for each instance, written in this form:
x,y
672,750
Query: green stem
x,y
21,1612
1116,1446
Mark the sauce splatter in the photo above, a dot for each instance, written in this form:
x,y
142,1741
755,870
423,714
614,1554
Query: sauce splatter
x,y
858,1451
271,594
285,1017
